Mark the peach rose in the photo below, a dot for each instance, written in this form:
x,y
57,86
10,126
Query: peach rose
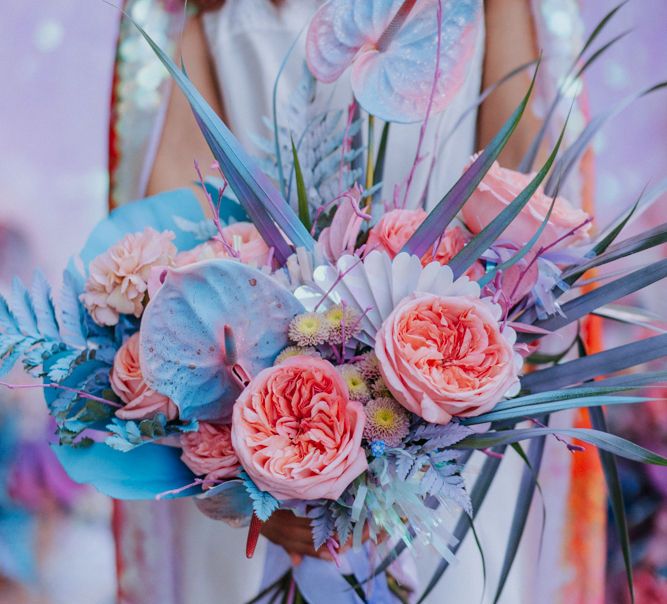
x,y
394,229
209,452
446,356
243,237
118,278
127,381
297,434
500,187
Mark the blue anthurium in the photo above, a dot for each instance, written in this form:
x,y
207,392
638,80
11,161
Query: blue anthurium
x,y
391,47
211,326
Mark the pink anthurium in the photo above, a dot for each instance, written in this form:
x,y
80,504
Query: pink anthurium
x,y
391,46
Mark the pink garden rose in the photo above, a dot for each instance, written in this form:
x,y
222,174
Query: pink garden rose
x,y
500,187
394,229
243,237
118,278
209,452
446,356
127,381
297,434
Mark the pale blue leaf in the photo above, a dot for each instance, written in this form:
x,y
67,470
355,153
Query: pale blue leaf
x,y
23,310
263,503
72,328
43,306
7,320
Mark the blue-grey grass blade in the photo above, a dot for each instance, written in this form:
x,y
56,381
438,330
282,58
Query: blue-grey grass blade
x,y
593,366
616,502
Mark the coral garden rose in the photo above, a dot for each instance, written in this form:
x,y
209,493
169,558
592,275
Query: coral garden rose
x,y
118,278
447,356
242,237
297,434
127,381
500,187
394,229
209,452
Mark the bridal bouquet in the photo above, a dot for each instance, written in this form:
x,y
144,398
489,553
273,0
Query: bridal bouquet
x,y
340,358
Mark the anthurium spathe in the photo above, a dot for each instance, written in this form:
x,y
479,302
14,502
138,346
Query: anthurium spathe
x,y
391,47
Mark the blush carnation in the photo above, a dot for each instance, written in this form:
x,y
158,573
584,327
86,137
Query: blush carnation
x,y
209,452
127,381
500,187
297,434
118,278
242,237
396,227
447,356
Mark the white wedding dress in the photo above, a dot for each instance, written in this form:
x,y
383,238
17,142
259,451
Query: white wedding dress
x,y
168,552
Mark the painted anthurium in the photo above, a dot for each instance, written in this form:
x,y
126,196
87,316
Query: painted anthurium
x,y
391,46
210,328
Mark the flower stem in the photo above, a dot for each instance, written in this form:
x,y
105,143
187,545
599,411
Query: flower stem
x,y
370,152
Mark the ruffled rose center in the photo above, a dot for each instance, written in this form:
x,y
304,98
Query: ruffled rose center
x,y
454,348
301,415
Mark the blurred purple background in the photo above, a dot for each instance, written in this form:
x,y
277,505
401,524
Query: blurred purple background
x,y
56,59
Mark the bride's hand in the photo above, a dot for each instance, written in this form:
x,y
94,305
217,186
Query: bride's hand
x,y
295,535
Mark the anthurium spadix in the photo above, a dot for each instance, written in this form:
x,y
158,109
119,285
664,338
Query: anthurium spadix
x,y
391,48
211,326
262,201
